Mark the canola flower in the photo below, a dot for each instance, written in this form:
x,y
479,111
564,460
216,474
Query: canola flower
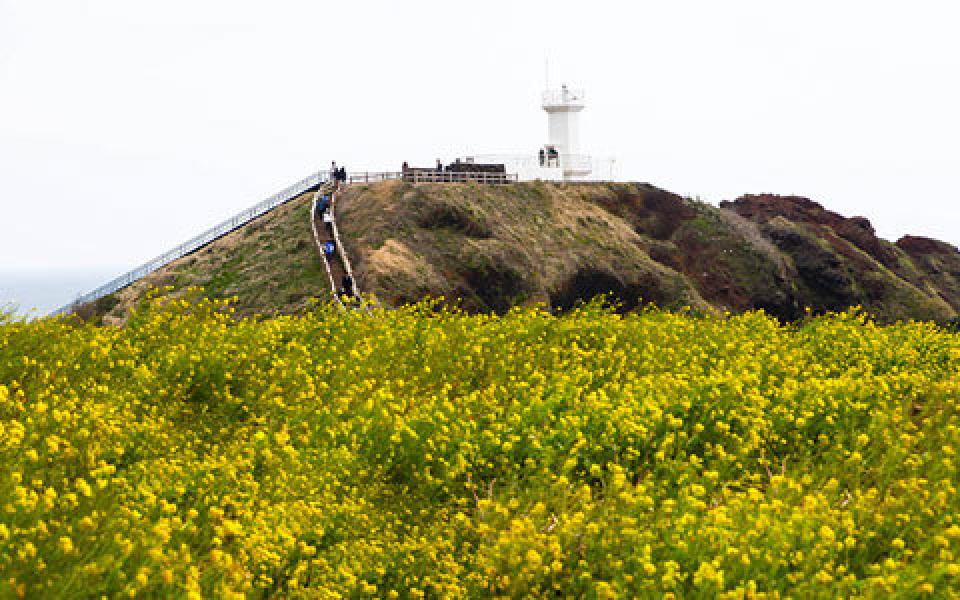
x,y
426,453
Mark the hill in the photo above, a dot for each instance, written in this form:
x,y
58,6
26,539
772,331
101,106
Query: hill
x,y
492,247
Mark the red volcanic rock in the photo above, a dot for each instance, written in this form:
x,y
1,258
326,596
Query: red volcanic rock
x,y
917,246
936,264
863,223
858,231
763,207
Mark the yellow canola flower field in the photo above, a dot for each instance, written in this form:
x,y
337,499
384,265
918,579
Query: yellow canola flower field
x,y
426,453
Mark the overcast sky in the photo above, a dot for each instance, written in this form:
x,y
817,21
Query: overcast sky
x,y
127,126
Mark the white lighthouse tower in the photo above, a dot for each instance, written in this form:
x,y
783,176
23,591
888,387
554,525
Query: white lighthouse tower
x,y
560,158
562,149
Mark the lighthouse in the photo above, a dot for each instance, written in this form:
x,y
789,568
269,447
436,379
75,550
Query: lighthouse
x,y
562,149
560,158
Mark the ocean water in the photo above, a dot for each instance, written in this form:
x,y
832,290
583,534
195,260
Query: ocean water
x,y
36,293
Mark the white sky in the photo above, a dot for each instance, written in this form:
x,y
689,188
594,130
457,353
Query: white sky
x,y
127,126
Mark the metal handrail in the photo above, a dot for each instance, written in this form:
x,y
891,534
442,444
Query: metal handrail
x,y
372,177
417,176
431,176
562,159
197,242
576,162
342,251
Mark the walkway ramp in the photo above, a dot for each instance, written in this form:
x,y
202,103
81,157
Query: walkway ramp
x,y
306,184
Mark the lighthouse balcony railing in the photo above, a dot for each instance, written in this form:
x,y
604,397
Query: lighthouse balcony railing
x,y
562,97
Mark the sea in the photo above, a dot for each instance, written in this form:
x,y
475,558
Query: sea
x,y
35,293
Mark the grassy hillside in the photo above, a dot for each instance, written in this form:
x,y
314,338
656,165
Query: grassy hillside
x,y
488,248
557,244
493,247
419,454
270,266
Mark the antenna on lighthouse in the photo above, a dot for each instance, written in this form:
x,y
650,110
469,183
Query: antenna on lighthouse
x,y
546,72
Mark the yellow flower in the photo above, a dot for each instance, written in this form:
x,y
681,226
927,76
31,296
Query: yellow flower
x,y
533,558
84,488
65,544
